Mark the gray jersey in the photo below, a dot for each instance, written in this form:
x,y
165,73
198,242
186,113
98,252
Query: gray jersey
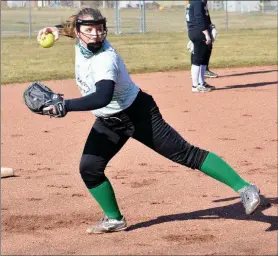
x,y
107,65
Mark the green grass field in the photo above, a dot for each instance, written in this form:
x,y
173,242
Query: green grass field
x,y
23,60
250,40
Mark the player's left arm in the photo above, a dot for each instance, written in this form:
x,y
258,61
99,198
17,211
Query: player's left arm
x,y
212,27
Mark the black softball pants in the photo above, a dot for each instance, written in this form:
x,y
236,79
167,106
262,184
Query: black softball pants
x,y
143,122
202,51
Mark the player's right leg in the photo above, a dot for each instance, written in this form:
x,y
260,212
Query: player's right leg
x,y
101,145
198,68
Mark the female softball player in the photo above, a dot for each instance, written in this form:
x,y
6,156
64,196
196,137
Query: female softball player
x,y
122,111
198,24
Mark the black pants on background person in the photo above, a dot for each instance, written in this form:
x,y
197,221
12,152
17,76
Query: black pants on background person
x,y
202,51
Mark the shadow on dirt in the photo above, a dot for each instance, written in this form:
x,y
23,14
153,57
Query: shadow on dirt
x,y
240,86
232,211
251,73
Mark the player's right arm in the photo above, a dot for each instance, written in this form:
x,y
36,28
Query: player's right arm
x,y
199,15
53,30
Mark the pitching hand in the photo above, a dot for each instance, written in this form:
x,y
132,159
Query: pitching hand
x,y
46,30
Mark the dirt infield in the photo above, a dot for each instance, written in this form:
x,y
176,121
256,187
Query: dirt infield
x,y
171,210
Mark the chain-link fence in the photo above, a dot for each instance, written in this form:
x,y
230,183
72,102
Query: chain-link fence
x,y
27,17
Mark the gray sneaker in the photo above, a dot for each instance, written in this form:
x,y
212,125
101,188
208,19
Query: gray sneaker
x,y
210,74
106,225
200,88
250,197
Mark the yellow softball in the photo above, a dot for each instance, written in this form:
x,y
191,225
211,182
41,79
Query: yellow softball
x,y
47,40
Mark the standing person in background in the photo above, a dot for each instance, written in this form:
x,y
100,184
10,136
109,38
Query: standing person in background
x,y
213,32
124,111
198,24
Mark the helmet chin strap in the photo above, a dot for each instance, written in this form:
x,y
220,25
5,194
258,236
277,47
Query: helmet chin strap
x,y
94,47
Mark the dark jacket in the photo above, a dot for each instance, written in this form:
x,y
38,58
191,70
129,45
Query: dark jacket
x,y
197,15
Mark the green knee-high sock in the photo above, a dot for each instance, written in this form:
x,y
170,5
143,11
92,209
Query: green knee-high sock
x,y
217,168
105,196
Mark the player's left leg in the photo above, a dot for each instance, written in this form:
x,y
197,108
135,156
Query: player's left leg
x,y
162,138
209,73
204,69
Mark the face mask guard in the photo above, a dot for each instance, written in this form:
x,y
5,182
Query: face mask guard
x,y
93,47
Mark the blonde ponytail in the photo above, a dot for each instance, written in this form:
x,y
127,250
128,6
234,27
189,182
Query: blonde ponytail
x,y
67,27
